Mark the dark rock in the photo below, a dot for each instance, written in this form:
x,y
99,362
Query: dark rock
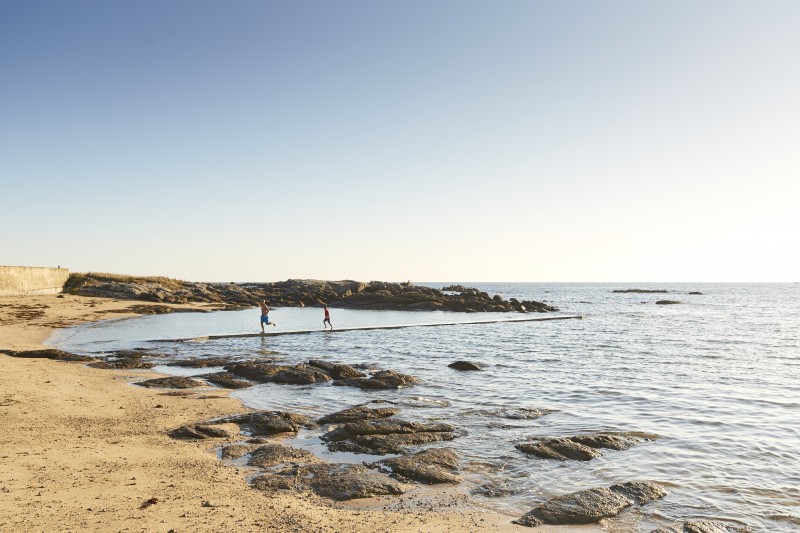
x,y
198,431
640,492
122,364
172,382
226,380
699,526
386,435
275,454
641,291
582,507
587,506
464,365
696,293
255,370
358,412
55,355
561,448
342,482
337,371
385,379
668,302
299,376
385,444
428,466
264,423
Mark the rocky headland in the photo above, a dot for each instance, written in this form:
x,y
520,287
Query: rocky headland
x,y
347,294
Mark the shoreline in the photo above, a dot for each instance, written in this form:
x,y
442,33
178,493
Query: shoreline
x,y
85,451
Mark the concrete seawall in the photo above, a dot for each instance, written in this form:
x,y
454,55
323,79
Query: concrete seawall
x,y
32,280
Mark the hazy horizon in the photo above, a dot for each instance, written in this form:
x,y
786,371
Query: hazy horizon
x,y
550,142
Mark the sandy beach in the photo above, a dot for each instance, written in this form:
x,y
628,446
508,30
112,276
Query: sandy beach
x,y
83,450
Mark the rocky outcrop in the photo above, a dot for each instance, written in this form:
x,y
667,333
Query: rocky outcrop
x,y
275,454
226,380
385,436
55,355
696,293
582,447
587,506
668,302
431,467
124,359
294,293
264,423
640,291
172,382
358,412
200,362
336,370
385,379
199,431
338,482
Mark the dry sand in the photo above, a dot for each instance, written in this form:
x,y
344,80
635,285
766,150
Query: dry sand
x,y
82,450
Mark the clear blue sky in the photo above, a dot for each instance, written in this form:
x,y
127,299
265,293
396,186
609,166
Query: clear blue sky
x,y
431,140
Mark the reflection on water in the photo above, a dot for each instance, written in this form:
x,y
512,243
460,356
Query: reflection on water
x,y
715,377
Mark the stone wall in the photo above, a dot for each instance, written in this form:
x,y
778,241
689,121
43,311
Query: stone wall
x,y
32,280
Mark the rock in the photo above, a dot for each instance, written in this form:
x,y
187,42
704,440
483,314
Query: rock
x,y
428,466
261,372
582,447
587,506
226,380
122,364
522,413
698,526
275,454
464,365
385,435
172,382
263,423
696,293
640,492
198,431
236,451
582,507
494,489
55,355
293,293
337,371
273,483
668,302
299,376
385,379
358,412
342,482
640,291
561,448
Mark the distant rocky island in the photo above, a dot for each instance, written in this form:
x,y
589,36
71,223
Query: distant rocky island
x,y
347,294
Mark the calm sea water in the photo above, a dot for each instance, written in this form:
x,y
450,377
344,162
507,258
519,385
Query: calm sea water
x,y
716,378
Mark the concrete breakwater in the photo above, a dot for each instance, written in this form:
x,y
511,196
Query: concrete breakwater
x,y
16,280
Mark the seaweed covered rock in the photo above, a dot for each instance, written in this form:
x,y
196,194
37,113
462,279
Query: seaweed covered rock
x,y
172,382
275,454
50,353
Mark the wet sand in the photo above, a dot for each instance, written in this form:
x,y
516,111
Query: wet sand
x,y
81,449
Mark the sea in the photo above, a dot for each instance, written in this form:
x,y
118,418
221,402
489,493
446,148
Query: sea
x,y
715,377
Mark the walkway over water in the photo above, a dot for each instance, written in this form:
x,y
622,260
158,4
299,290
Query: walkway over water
x,y
365,328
